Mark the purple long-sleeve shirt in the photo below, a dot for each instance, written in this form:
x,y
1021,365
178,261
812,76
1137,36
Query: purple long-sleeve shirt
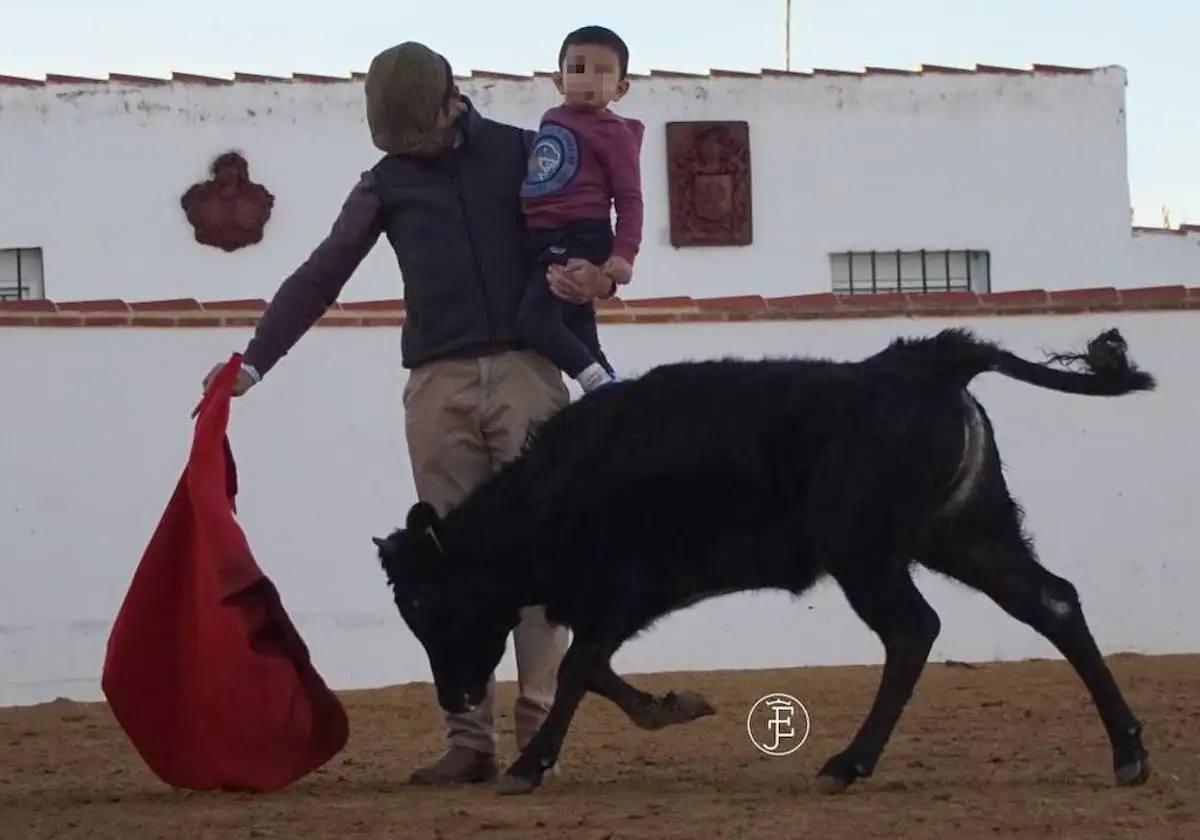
x,y
583,164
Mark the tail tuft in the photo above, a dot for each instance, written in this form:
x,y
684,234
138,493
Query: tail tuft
x,y
1107,360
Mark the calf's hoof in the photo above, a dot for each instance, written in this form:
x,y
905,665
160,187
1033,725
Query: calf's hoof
x,y
830,785
1131,761
1134,773
672,709
838,774
513,785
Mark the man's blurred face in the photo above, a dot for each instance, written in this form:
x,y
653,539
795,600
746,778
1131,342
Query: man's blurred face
x,y
447,119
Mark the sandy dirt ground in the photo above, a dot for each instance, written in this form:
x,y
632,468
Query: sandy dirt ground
x,y
993,750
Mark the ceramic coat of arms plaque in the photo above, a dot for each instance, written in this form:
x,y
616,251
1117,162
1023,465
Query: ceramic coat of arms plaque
x,y
709,183
229,211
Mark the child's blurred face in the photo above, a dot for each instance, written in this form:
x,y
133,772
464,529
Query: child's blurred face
x,y
590,76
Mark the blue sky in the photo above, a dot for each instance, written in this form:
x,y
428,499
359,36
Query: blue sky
x,y
1154,41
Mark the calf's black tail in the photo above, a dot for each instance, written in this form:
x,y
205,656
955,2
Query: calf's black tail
x,y
960,357
1110,373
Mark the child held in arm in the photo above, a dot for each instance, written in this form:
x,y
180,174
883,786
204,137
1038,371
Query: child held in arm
x,y
584,161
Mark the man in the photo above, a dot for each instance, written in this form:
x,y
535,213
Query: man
x,y
446,194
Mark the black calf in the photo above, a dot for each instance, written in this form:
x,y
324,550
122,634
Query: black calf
x,y
706,478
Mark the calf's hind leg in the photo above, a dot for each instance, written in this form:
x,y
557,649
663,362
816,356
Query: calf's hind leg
x,y
1000,563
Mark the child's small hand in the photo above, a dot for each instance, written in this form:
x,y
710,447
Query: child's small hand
x,y
619,269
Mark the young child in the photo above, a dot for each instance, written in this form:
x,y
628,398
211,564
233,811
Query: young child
x,y
584,160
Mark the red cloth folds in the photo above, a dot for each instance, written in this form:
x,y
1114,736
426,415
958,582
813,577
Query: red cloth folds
x,y
204,671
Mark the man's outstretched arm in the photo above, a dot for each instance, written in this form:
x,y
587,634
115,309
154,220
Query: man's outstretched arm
x,y
313,287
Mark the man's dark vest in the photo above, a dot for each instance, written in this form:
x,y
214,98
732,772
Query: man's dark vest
x,y
456,226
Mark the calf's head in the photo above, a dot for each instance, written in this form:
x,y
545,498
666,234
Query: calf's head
x,y
451,607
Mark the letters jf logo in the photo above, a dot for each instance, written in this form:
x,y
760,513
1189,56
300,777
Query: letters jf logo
x,y
773,726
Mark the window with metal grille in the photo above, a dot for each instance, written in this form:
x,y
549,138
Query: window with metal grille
x,y
21,274
914,272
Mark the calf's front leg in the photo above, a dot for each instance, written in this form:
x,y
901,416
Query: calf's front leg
x,y
540,754
647,710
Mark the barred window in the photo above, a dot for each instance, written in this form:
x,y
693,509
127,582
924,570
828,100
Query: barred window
x,y
21,274
915,272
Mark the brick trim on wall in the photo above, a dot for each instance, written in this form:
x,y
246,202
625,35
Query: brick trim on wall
x,y
188,312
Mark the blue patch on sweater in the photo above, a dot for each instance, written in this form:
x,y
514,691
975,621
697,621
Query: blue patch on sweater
x,y
553,161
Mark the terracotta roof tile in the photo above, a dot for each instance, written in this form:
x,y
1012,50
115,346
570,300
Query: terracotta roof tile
x,y
491,74
193,79
1011,71
125,78
313,78
941,68
1057,68
255,77
59,79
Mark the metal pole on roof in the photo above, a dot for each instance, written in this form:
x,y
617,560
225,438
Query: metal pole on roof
x,y
787,35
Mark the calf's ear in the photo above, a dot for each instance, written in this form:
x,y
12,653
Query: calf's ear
x,y
424,519
422,516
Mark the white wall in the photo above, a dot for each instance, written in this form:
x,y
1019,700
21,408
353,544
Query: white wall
x,y
1030,167
1164,258
89,460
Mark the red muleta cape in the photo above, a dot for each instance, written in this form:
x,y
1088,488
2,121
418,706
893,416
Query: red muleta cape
x,y
204,670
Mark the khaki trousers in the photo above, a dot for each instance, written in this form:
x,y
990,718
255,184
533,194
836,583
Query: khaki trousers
x,y
465,418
